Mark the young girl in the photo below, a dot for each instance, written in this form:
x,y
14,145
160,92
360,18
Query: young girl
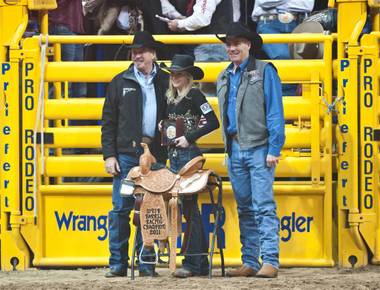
x,y
190,104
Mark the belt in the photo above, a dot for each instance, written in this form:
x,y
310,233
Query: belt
x,y
283,17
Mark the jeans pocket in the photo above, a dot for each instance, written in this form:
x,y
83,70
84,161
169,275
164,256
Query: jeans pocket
x,y
126,163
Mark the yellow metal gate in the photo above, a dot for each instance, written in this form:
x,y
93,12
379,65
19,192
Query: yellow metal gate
x,y
327,182
66,223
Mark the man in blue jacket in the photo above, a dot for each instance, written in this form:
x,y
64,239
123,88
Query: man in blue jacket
x,y
135,102
250,104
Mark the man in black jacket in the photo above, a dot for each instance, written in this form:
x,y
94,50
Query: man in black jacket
x,y
134,104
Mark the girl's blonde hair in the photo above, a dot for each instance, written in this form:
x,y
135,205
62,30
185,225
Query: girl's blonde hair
x,y
172,93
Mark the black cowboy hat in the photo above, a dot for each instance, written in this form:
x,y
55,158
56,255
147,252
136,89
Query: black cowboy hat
x,y
239,29
183,62
145,39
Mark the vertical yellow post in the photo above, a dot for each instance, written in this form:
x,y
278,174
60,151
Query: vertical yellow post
x,y
369,124
14,252
327,150
351,19
315,132
30,73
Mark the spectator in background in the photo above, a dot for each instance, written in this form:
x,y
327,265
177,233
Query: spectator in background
x,y
67,19
114,16
110,17
202,17
150,9
280,16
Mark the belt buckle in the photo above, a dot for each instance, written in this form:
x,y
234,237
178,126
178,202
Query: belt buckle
x,y
286,17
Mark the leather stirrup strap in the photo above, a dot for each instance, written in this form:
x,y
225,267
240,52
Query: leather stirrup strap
x,y
187,234
136,213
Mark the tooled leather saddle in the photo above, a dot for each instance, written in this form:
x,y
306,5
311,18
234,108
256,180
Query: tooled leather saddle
x,y
158,184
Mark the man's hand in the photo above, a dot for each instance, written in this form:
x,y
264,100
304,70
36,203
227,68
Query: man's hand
x,y
181,142
272,161
112,166
173,25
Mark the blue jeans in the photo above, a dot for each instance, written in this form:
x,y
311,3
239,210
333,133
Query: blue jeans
x,y
196,242
119,217
70,52
280,50
252,183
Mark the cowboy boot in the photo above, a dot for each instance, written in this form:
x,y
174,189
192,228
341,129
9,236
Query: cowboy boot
x,y
267,271
243,271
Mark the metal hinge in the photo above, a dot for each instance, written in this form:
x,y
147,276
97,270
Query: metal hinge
x,y
17,220
357,218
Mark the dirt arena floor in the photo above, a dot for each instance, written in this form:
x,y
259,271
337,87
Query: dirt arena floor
x,y
295,278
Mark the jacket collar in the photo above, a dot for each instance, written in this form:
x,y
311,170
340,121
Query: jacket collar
x,y
130,74
250,66
242,66
251,63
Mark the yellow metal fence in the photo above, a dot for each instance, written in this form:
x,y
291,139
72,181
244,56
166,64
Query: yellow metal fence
x,y
65,223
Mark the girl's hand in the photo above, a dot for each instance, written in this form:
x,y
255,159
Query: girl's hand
x,y
160,126
181,142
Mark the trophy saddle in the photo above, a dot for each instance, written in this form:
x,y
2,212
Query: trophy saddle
x,y
158,184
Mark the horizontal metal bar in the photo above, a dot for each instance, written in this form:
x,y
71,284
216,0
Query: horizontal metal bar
x,y
104,71
287,262
280,188
71,261
75,109
91,108
185,39
76,189
90,137
93,165
103,261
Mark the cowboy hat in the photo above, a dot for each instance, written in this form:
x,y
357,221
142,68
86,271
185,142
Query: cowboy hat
x,y
238,29
307,50
184,63
145,39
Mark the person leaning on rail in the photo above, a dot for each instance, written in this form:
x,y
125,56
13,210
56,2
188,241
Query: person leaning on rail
x,y
250,104
188,104
279,16
135,102
201,17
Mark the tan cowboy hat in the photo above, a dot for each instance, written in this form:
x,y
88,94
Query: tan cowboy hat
x,y
307,50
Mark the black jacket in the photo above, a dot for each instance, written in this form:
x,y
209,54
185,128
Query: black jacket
x,y
122,115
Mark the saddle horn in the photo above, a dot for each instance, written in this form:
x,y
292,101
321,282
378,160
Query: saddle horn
x,y
146,159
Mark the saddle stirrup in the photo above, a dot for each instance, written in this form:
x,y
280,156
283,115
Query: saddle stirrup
x,y
148,262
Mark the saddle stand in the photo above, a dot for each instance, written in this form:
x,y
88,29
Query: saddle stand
x,y
157,190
